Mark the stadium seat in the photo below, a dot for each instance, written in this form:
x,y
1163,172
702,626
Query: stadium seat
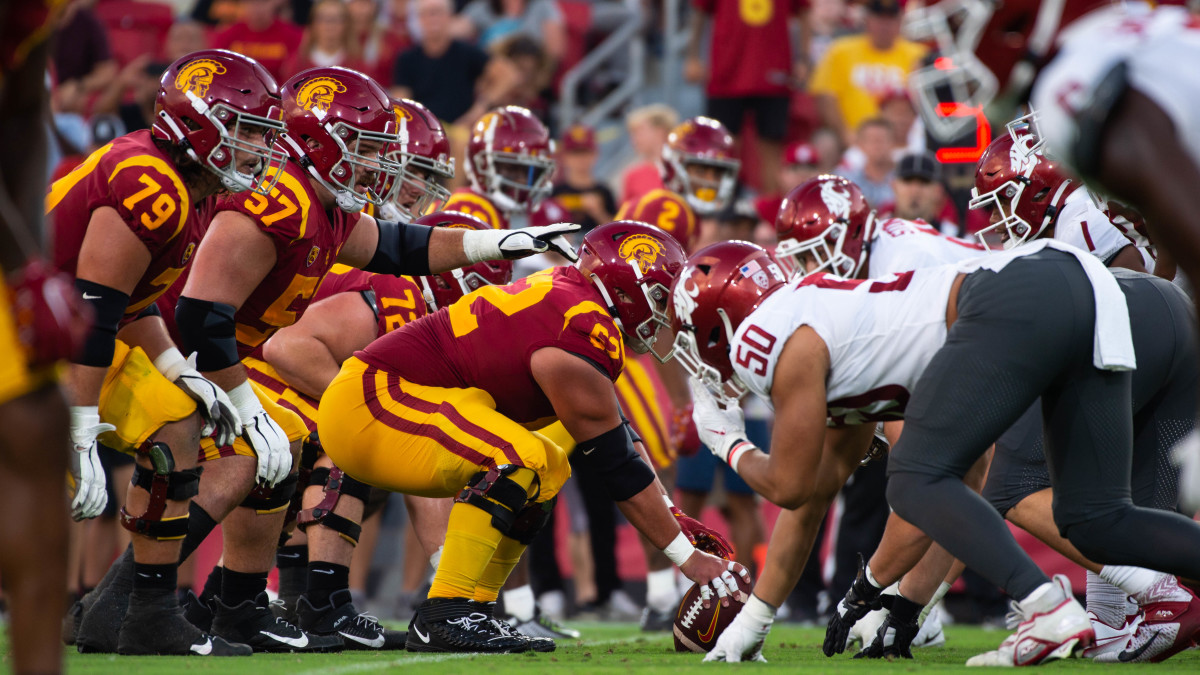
x,y
134,28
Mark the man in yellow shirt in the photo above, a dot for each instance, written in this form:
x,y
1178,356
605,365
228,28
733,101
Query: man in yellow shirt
x,y
858,71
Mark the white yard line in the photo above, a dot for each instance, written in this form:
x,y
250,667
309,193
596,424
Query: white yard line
x,y
368,666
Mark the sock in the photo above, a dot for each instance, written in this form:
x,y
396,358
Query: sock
x,y
292,562
1043,599
507,555
200,525
1144,585
212,585
905,611
238,587
1106,601
660,590
160,578
519,603
324,578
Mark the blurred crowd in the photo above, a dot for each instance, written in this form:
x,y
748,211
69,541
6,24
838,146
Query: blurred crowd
x,y
805,86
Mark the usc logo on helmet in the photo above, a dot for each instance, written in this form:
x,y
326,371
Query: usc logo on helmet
x,y
642,250
197,76
317,95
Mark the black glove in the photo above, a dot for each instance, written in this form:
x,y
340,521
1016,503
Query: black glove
x,y
894,638
862,598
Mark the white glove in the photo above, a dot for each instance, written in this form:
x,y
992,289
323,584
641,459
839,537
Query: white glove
x,y
211,401
720,428
743,639
263,434
87,475
480,245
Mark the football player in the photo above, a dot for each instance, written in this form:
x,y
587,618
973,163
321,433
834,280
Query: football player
x,y
127,223
423,162
350,309
989,318
40,325
256,272
444,405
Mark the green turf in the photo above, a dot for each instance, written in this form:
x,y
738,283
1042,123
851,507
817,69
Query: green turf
x,y
608,648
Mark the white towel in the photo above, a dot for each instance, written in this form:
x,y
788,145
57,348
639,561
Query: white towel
x,y
1112,344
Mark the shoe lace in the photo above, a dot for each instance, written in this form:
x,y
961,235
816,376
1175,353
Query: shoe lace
x,y
1015,615
469,623
367,621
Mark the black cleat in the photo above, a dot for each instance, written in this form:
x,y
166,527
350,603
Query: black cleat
x,y
70,623
654,620
538,643
253,623
457,625
198,611
339,618
100,625
155,625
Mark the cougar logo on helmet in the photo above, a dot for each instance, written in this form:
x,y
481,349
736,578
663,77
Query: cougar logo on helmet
x,y
642,250
1020,155
317,95
197,76
836,198
686,293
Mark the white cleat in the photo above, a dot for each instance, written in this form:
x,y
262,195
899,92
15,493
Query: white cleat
x,y
1110,640
1043,636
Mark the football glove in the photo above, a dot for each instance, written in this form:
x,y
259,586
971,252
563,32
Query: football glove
x,y
742,640
862,597
86,474
212,402
895,637
720,427
480,245
702,536
263,434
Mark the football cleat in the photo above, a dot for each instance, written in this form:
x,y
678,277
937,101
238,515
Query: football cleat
x,y
653,620
457,625
1043,636
253,623
1110,639
155,626
100,625
1165,628
340,618
538,643
198,611
932,633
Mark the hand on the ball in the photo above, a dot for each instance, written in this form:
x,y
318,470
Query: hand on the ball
x,y
702,536
742,640
715,576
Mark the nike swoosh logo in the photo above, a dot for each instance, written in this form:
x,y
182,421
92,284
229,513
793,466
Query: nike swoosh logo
x,y
424,637
719,432
589,451
204,649
707,634
375,643
90,297
1127,656
321,571
299,643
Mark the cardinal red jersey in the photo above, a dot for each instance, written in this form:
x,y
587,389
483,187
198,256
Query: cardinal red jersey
x,y
133,177
486,339
472,203
394,300
307,240
26,25
669,212
750,46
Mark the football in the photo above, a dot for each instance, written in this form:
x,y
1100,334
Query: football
x,y
696,629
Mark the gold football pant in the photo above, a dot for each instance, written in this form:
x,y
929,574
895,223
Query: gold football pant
x,y
17,377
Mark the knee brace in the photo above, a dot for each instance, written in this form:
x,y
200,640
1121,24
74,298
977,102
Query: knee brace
x,y
267,500
494,492
310,451
164,484
335,483
530,521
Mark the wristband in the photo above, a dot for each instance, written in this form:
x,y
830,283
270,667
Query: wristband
x,y
670,504
170,363
680,549
245,400
737,451
481,245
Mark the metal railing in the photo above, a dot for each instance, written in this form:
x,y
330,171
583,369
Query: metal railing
x,y
626,36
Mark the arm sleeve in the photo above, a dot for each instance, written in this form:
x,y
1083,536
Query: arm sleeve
x,y
402,249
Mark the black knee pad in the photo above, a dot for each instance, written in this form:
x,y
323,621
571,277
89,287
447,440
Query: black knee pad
x,y
164,484
267,500
530,521
335,483
497,494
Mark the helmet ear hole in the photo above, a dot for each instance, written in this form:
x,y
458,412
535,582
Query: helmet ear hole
x,y
714,337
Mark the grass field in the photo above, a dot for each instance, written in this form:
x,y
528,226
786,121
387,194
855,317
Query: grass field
x,y
608,648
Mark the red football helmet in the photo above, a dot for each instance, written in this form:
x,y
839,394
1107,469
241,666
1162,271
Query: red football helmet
x,y
548,212
670,212
423,155
985,47
826,218
718,288
632,264
339,123
705,146
1023,188
510,158
445,289
223,109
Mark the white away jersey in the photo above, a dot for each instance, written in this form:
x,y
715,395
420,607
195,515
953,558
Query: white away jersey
x,y
900,245
882,333
1083,225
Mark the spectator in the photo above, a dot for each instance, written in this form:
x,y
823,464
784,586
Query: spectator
x,y
183,37
132,94
488,21
801,161
380,38
590,203
532,72
751,68
919,193
328,40
648,128
262,35
83,63
874,140
827,20
859,71
828,144
897,109
457,81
